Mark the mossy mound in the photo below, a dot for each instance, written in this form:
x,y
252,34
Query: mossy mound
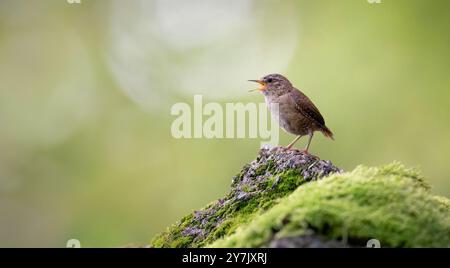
x,y
278,201
391,204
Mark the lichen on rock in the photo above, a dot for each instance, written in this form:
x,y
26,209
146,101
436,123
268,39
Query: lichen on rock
x,y
274,174
286,198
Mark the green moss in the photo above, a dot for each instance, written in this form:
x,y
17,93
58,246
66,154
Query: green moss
x,y
225,219
174,231
390,203
271,200
246,188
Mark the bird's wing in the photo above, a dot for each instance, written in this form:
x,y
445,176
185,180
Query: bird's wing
x,y
306,107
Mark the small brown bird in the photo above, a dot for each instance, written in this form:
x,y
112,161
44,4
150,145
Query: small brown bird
x,y
295,112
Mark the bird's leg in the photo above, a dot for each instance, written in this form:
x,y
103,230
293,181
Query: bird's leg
x,y
311,134
293,142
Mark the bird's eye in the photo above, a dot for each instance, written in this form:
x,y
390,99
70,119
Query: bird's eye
x,y
269,80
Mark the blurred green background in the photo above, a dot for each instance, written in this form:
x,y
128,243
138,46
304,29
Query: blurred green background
x,y
86,90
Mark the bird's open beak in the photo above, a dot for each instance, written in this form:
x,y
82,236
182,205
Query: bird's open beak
x,y
262,84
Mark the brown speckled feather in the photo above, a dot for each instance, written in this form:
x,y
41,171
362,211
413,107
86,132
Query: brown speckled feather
x,y
307,108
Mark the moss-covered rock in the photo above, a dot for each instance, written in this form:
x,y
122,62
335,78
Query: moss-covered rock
x,y
278,201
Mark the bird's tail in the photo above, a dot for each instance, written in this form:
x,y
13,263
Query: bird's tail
x,y
327,132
